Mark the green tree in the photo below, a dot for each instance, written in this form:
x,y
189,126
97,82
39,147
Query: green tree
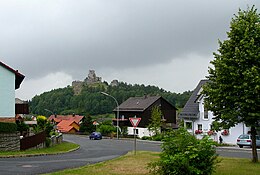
x,y
87,125
183,154
155,122
233,90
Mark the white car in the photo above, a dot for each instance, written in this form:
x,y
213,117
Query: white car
x,y
245,140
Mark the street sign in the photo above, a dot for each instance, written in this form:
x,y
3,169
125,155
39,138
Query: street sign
x,y
135,121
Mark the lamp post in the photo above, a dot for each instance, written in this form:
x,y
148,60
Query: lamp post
x,y
117,116
49,111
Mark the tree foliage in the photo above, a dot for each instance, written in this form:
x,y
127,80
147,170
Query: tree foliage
x,y
155,123
86,125
90,101
233,91
183,154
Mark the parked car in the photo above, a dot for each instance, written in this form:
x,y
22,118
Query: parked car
x,y
95,136
245,140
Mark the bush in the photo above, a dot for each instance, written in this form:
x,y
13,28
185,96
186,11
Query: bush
x,y
157,137
47,142
183,154
106,129
145,138
8,127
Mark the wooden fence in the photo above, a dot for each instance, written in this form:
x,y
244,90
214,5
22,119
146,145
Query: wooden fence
x,y
32,141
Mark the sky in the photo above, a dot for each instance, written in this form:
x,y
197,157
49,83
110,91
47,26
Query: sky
x,y
166,43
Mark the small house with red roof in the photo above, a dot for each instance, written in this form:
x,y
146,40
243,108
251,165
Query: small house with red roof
x,y
67,123
10,80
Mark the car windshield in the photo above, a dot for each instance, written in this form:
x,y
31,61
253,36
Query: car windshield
x,y
244,136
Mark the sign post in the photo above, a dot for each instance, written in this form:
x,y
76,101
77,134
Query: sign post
x,y
135,121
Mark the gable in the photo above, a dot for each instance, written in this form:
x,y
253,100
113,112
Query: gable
x,y
191,108
18,76
137,104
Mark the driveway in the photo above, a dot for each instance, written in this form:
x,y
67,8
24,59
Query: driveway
x,y
91,151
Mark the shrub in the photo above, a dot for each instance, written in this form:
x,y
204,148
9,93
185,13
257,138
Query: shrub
x,y
145,138
8,127
183,154
106,129
157,137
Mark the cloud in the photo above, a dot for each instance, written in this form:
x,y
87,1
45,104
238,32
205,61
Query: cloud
x,y
30,88
44,37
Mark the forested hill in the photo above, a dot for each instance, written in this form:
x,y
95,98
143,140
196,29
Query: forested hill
x,y
91,101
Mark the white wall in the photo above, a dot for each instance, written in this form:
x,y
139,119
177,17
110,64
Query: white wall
x,y
141,131
7,93
234,132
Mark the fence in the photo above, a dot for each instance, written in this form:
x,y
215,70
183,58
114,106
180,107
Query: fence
x,y
32,141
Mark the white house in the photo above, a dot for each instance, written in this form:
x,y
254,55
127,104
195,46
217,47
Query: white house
x,y
198,120
10,80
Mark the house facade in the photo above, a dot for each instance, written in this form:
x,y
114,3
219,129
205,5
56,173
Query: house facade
x,y
10,80
141,107
198,120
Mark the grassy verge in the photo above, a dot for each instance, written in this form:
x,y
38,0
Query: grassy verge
x,y
57,149
232,166
128,164
131,164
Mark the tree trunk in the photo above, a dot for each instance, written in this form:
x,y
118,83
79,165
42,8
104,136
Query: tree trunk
x,y
254,151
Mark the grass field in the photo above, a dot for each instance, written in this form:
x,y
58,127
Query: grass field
x,y
131,164
57,149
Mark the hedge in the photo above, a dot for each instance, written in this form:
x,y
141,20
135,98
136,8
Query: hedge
x,y
8,127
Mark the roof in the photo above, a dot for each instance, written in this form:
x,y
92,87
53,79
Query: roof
x,y
18,76
191,108
138,104
66,125
59,118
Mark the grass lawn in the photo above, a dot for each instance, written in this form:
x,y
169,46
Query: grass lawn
x,y
131,164
60,148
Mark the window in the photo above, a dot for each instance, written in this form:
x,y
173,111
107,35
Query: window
x,y
199,126
136,131
188,125
206,115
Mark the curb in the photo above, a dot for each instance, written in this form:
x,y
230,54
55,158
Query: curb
x,y
40,154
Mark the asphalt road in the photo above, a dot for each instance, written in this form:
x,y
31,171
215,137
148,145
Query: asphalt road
x,y
91,151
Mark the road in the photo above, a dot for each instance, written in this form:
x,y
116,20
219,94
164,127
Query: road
x,y
91,151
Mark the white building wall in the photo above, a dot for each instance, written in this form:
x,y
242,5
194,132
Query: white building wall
x,y
7,93
231,138
141,132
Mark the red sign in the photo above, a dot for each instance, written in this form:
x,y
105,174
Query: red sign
x,y
135,121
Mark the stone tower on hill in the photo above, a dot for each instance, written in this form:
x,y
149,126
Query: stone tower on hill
x,y
90,79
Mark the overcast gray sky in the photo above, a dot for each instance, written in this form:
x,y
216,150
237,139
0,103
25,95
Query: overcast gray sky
x,y
166,43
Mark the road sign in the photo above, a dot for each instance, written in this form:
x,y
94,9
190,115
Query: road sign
x,y
135,121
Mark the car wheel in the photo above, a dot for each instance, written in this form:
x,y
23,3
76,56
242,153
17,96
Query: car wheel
x,y
240,146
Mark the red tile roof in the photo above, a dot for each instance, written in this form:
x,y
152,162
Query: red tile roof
x,y
65,122
59,118
66,125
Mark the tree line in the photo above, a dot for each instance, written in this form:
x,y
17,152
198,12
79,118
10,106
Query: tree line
x,y
91,101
